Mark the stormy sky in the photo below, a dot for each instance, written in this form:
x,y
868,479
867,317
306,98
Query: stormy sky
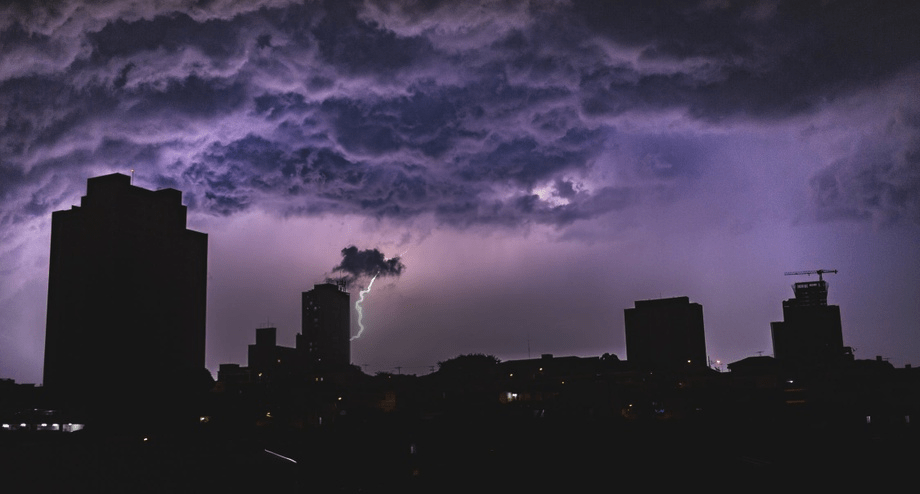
x,y
536,166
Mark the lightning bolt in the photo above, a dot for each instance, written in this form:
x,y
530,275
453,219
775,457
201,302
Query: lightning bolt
x,y
361,309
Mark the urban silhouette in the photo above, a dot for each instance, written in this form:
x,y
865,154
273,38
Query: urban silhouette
x,y
127,404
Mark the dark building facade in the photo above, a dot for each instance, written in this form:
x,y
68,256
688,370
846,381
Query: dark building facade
x,y
267,360
665,334
325,341
127,291
811,332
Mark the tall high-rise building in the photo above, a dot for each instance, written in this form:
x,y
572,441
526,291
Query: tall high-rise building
x,y
665,334
811,332
325,342
127,292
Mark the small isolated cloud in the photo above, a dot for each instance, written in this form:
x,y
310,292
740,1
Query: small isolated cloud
x,y
365,263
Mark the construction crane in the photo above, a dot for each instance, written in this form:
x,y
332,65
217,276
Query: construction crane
x,y
819,272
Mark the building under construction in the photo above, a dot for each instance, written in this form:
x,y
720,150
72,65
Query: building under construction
x,y
810,333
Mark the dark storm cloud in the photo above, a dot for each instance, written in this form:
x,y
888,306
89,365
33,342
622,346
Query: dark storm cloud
x,y
232,175
193,96
766,59
275,106
172,32
387,189
358,47
366,263
363,108
58,181
40,111
879,182
220,190
669,156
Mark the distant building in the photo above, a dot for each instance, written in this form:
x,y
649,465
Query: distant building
x,y
233,374
665,334
268,360
325,341
810,333
127,293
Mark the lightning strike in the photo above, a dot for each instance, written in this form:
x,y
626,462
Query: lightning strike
x,y
361,309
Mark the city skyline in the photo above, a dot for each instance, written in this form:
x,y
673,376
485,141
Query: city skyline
x,y
535,167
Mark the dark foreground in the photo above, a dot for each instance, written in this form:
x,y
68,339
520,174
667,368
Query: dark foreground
x,y
462,457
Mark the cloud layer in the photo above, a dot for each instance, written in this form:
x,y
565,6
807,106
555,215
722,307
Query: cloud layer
x,y
407,109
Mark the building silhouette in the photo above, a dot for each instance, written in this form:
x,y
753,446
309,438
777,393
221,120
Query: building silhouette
x,y
810,333
127,293
665,334
325,341
268,360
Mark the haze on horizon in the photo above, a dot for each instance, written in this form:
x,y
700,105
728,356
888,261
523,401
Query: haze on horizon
x,y
535,166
